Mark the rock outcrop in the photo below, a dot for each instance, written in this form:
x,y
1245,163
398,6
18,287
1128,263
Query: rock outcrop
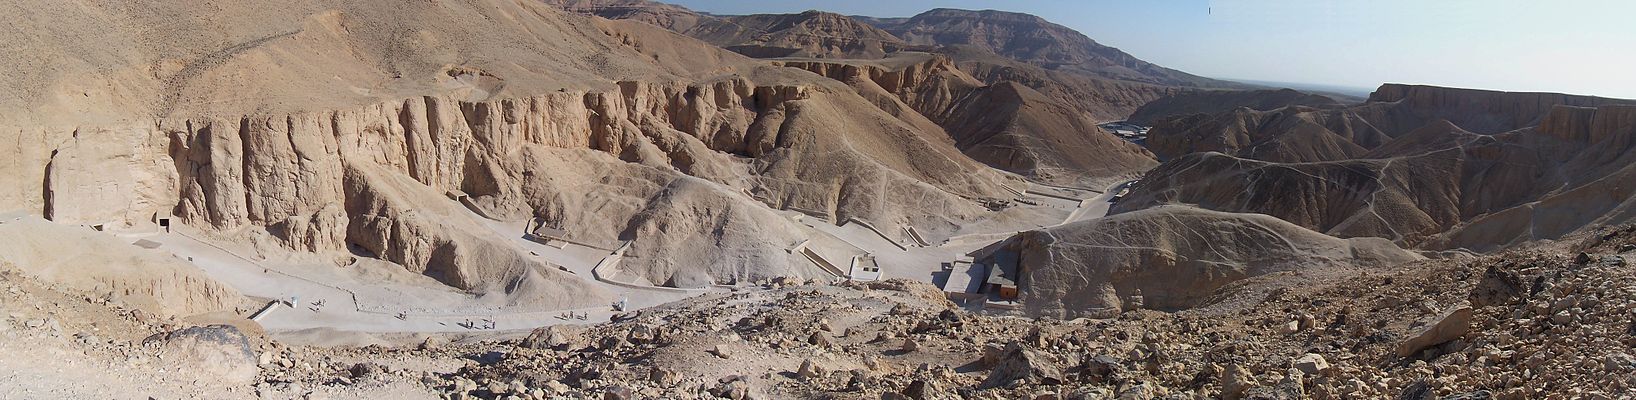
x,y
216,352
1170,258
97,265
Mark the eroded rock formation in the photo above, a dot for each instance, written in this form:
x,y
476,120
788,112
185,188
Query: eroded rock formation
x,y
404,149
1170,258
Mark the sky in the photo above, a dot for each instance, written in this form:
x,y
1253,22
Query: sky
x,y
1567,46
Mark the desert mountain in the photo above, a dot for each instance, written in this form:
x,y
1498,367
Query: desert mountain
x,y
1217,101
1031,39
1316,131
1289,134
1006,125
808,34
1004,112
1428,167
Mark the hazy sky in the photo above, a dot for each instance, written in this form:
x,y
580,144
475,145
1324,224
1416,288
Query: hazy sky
x,y
1572,46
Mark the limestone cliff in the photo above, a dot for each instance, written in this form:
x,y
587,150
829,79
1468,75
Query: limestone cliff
x,y
322,127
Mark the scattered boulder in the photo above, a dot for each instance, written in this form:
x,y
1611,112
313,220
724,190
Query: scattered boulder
x,y
643,333
1235,382
1449,325
734,387
1419,390
1289,327
819,339
721,351
883,336
617,393
1019,363
991,354
1498,286
918,390
433,342
1311,364
662,376
1101,368
559,337
1135,391
218,352
808,370
556,387
910,345
365,369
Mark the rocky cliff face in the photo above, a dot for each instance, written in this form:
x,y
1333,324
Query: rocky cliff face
x,y
313,181
928,84
398,138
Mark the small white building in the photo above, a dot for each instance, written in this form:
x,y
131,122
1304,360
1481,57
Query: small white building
x,y
864,268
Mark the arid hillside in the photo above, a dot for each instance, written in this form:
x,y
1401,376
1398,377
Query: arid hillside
x,y
1004,108
1426,167
1034,40
341,130
1218,101
625,199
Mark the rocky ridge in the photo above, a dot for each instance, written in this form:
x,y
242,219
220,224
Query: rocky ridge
x,y
1439,186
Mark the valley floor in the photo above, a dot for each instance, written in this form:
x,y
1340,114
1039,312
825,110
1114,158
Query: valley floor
x,y
317,301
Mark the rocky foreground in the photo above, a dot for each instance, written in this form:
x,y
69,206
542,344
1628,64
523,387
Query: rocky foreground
x,y
1553,321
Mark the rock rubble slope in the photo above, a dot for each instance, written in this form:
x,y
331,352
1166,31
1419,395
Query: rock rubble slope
x,y
1544,321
